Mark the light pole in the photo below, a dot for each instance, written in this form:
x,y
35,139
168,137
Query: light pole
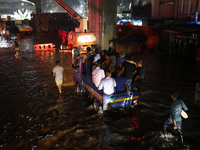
x,y
197,7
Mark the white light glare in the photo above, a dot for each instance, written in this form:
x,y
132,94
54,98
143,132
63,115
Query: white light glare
x,y
86,38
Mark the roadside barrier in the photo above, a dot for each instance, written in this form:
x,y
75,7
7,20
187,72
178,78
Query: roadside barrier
x,y
64,36
46,46
20,35
59,32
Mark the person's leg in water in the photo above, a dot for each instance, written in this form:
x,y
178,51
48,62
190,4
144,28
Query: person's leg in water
x,y
129,81
179,126
16,54
59,85
59,88
165,125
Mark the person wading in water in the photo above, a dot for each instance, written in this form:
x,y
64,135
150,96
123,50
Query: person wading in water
x,y
59,73
16,45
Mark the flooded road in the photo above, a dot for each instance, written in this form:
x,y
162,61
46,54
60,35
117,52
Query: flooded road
x,y
33,115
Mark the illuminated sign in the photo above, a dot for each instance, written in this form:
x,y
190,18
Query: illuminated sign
x,y
132,22
86,38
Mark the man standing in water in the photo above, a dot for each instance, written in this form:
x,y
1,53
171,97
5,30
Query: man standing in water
x,y
58,72
139,76
16,45
176,107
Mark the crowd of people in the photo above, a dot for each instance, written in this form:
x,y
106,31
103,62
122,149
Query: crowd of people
x,y
4,34
113,72
116,74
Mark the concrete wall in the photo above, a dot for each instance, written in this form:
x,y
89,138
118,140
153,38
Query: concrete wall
x,y
102,20
83,25
94,18
185,7
166,10
109,22
129,49
37,5
155,8
180,7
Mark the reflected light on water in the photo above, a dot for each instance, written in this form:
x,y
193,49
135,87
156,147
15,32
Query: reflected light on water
x,y
134,124
42,55
134,138
5,44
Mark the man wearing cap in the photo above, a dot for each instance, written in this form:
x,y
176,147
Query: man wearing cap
x,y
121,59
58,72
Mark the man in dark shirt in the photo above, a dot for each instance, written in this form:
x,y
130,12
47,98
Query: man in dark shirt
x,y
89,66
120,60
176,107
121,81
128,68
86,57
139,76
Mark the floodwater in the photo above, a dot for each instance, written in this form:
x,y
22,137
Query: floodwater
x,y
33,115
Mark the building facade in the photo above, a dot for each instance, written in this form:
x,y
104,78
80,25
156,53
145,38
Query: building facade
x,y
173,8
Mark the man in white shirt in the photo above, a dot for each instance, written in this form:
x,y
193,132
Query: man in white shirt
x,y
97,74
107,84
97,57
58,72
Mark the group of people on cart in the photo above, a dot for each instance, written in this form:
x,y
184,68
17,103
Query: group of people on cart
x,y
113,73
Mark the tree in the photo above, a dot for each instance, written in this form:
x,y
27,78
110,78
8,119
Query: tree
x,y
72,3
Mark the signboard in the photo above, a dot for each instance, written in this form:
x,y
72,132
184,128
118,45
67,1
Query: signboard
x,y
18,22
86,38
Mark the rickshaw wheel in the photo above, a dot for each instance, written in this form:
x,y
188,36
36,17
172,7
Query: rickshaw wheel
x,y
96,106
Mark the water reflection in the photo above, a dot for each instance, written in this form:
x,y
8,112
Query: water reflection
x,y
5,43
135,122
44,55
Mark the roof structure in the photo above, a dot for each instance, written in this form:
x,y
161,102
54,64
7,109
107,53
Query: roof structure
x,y
8,6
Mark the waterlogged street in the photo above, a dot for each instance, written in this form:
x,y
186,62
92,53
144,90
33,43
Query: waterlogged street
x,y
33,115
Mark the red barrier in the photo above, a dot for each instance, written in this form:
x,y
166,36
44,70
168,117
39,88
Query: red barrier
x,y
46,46
65,51
59,32
20,35
64,36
